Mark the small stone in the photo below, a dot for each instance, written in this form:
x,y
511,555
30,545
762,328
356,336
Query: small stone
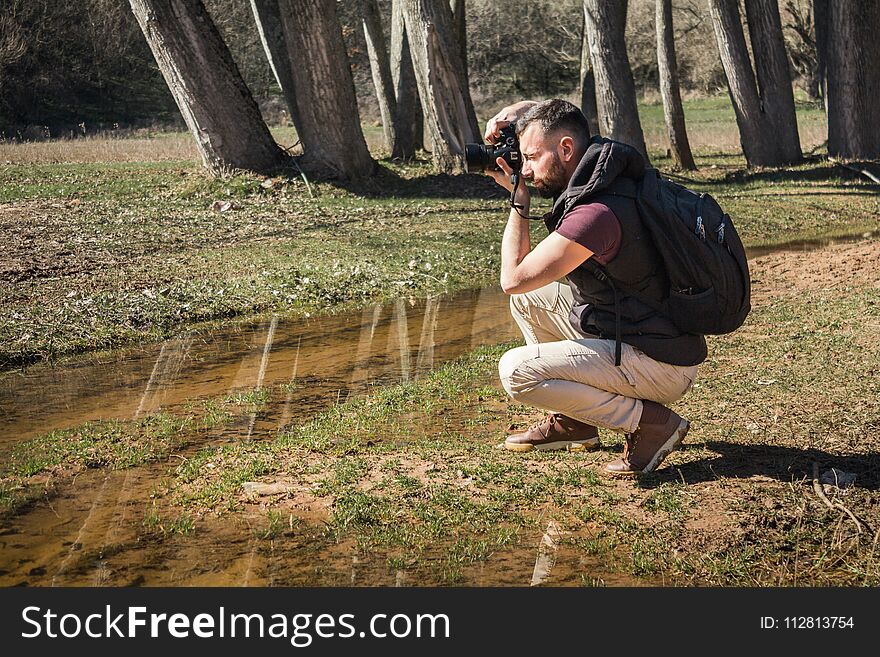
x,y
263,489
838,478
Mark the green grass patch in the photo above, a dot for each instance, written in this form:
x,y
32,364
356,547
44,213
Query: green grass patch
x,y
108,254
734,506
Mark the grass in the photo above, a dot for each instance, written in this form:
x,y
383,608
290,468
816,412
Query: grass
x,y
735,506
104,254
410,475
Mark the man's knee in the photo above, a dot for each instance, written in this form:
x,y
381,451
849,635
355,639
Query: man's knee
x,y
515,378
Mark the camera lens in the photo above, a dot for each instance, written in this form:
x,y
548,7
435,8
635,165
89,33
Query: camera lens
x,y
476,157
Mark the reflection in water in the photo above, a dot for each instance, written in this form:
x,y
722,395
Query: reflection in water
x,y
261,374
546,557
165,371
426,341
286,412
93,533
338,356
401,336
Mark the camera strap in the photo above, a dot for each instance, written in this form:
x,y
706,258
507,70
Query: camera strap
x,y
514,180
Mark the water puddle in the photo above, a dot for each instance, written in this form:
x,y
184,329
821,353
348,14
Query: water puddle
x,y
809,245
337,356
95,530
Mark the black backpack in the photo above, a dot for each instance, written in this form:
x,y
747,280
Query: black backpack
x,y
709,287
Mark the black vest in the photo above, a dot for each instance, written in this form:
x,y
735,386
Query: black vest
x,y
607,174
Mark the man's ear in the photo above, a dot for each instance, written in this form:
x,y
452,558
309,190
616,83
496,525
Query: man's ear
x,y
567,148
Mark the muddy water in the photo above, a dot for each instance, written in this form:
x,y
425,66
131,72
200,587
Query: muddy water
x,y
332,357
809,245
93,532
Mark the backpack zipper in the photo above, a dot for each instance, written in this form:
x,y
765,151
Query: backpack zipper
x,y
700,229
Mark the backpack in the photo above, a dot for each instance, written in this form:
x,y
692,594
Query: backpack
x,y
705,261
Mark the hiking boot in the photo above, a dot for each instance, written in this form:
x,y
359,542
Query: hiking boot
x,y
555,431
649,445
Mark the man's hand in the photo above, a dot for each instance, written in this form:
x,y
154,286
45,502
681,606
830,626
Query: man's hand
x,y
504,118
523,197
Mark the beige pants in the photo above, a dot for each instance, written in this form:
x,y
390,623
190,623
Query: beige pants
x,y
561,370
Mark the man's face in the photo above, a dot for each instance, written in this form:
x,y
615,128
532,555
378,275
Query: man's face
x,y
542,161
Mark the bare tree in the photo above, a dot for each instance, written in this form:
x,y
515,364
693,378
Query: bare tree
x,y
821,20
329,123
800,43
673,112
410,123
439,71
215,102
267,16
755,132
615,90
459,21
774,77
853,79
587,84
380,66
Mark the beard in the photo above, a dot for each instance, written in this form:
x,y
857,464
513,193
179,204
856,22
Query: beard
x,y
552,183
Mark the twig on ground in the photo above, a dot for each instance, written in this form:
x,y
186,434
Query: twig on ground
x,y
675,176
820,492
864,172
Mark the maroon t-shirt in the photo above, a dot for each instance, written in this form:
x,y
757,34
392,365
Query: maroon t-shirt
x,y
594,226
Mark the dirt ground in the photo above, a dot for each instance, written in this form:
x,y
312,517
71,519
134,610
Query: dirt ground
x,y
760,494
759,508
834,267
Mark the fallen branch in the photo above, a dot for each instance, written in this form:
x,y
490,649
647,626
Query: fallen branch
x,y
864,172
820,493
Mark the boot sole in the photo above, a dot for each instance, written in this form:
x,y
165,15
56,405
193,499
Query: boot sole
x,y
671,443
568,445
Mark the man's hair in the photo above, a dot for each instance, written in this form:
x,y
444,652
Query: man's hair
x,y
556,114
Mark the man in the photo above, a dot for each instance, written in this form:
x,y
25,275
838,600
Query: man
x,y
593,357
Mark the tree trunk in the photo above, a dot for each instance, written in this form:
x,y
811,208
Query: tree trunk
x,y
853,80
459,21
820,21
215,102
330,130
267,16
615,90
410,123
755,132
673,111
380,67
774,77
587,85
445,97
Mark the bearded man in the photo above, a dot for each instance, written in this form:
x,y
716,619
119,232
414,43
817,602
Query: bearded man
x,y
593,357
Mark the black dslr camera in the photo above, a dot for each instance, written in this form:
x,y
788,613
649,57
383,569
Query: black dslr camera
x,y
481,157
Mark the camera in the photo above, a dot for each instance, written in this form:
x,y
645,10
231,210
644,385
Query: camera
x,y
481,157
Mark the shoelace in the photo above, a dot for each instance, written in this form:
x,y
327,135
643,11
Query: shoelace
x,y
628,446
548,419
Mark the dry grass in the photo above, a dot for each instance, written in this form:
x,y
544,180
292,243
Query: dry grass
x,y
142,146
101,148
711,130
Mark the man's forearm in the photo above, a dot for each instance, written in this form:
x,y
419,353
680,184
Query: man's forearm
x,y
515,246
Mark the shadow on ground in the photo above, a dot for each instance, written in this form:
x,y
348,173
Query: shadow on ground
x,y
738,461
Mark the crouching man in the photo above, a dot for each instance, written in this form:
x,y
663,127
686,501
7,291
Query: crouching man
x,y
575,333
